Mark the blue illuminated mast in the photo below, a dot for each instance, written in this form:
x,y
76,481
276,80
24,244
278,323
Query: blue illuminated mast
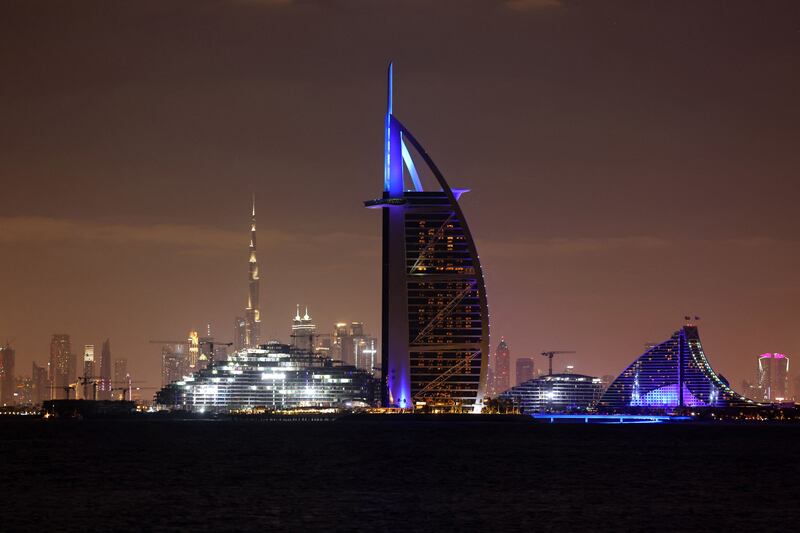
x,y
393,166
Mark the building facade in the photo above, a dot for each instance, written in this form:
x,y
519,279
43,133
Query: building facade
x,y
174,363
239,336
773,377
303,331
499,379
524,370
104,384
88,372
40,384
275,376
8,364
435,331
61,363
122,378
556,393
675,373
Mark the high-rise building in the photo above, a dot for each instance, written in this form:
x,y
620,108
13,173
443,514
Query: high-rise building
x,y
104,383
174,364
303,331
524,370
206,347
365,350
435,332
88,372
194,351
340,344
40,384
122,379
773,377
675,373
252,314
239,333
499,370
352,346
8,382
60,363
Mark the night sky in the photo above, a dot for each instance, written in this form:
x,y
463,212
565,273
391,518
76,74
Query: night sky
x,y
630,162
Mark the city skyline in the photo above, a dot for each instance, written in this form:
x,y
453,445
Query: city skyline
x,y
588,161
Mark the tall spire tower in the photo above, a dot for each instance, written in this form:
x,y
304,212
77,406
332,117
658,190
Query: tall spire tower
x,y
435,346
252,331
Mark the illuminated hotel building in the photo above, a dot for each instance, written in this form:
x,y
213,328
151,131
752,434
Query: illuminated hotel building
x,y
252,313
556,393
275,376
675,373
773,377
435,326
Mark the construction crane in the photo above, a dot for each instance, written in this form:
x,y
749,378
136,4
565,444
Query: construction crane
x,y
550,355
65,388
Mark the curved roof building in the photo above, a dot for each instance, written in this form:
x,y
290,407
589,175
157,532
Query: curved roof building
x,y
435,327
675,373
556,393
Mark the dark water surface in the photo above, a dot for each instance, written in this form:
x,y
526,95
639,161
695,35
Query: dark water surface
x,y
404,476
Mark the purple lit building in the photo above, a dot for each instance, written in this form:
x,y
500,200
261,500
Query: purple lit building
x,y
435,326
675,373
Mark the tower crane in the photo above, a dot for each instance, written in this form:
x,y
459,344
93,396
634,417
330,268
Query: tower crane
x,y
550,355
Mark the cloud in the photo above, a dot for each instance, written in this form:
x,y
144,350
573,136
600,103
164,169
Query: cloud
x,y
36,231
264,3
186,238
529,5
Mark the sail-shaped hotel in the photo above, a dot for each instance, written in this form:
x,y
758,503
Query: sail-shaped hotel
x,y
435,324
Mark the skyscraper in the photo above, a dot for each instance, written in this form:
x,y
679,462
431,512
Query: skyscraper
x,y
303,331
88,371
7,368
194,351
60,363
365,353
524,370
40,385
340,344
773,377
239,333
104,384
499,370
252,314
435,327
121,377
173,363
